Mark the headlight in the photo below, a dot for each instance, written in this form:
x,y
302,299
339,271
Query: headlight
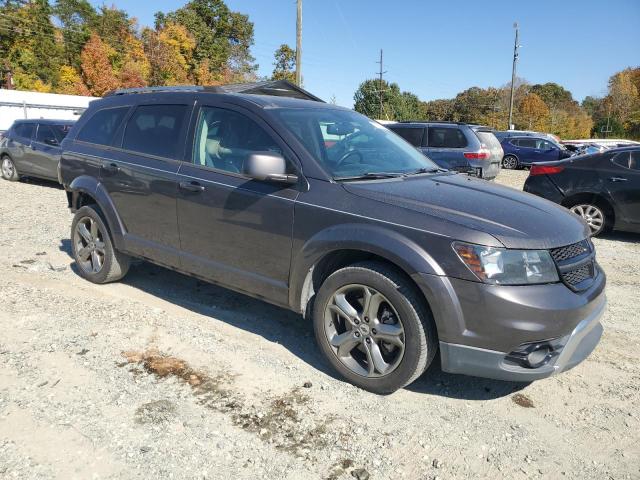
x,y
501,266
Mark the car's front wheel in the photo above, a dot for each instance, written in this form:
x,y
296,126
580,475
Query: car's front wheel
x,y
9,170
373,327
594,215
510,162
96,258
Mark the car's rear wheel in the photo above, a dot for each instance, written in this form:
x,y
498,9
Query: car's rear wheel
x,y
510,162
373,327
594,215
96,258
9,170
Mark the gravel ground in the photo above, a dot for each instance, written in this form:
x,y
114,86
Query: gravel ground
x,y
162,376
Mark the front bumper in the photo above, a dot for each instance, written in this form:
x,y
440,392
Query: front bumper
x,y
479,362
480,326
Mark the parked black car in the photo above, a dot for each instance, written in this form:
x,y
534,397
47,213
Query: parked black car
x,y
604,188
32,148
455,146
323,211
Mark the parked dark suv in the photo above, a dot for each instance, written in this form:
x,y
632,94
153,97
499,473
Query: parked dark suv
x,y
455,146
32,148
320,210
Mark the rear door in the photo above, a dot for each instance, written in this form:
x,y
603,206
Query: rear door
x,y
622,179
19,145
526,150
46,152
412,134
140,175
445,146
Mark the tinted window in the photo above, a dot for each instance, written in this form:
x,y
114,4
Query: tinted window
x,y
444,137
634,163
528,142
24,130
412,135
155,130
224,140
46,135
626,160
102,126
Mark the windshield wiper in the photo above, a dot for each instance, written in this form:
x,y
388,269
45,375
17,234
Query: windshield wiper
x,y
425,170
371,175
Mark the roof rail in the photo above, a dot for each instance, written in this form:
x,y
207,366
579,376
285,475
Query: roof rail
x,y
433,121
177,88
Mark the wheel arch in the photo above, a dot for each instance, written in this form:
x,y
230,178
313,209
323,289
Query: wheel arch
x,y
595,198
339,246
85,190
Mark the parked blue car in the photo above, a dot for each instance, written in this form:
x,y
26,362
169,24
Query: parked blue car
x,y
527,150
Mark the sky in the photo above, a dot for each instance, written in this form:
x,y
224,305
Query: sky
x,y
437,49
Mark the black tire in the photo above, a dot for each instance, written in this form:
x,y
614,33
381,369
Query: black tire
x,y
420,337
510,162
8,168
114,265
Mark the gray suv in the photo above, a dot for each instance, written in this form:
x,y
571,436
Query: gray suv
x,y
320,210
32,148
455,146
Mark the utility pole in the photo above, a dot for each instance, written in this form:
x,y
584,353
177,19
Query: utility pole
x,y
513,76
299,45
380,90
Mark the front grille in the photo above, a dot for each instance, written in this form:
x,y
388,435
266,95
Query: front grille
x,y
565,253
576,263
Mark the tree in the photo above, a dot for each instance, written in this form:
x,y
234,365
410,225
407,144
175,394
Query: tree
x,y
70,82
533,113
75,17
284,64
623,96
170,50
554,95
441,109
223,37
97,71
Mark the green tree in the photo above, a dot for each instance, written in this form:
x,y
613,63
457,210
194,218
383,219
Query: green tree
x,y
223,37
554,95
284,64
396,105
75,18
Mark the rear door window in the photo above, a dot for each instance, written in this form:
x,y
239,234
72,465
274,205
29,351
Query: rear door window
x,y
634,163
156,130
102,126
528,142
446,137
24,130
413,135
623,159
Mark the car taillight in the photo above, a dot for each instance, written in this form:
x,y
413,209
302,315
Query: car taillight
x,y
479,155
544,170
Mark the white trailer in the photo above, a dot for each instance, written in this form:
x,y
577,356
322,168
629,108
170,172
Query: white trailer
x,y
16,104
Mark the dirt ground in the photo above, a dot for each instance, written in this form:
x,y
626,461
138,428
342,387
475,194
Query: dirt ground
x,y
163,376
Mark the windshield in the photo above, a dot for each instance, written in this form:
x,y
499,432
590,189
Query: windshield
x,y
348,144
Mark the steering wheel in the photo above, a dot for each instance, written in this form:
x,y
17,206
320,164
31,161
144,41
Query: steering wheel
x,y
347,155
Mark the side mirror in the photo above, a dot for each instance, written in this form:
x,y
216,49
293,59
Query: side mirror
x,y
268,166
51,141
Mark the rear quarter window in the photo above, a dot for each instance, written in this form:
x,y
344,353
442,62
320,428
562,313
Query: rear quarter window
x,y
446,137
413,135
102,126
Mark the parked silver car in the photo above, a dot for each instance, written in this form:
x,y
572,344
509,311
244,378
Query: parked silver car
x,y
32,148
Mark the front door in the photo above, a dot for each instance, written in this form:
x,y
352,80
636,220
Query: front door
x,y
234,230
141,178
622,179
46,152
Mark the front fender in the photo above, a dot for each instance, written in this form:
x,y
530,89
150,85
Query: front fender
x,y
377,240
92,187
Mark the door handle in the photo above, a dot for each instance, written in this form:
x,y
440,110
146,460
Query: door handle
x,y
191,187
110,167
617,179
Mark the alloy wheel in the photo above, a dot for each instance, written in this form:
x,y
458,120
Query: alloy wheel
x,y
7,168
509,162
591,214
364,331
89,243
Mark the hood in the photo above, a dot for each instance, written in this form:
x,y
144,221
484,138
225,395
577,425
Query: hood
x,y
516,219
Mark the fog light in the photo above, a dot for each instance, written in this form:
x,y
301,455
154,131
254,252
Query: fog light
x,y
535,355
539,356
